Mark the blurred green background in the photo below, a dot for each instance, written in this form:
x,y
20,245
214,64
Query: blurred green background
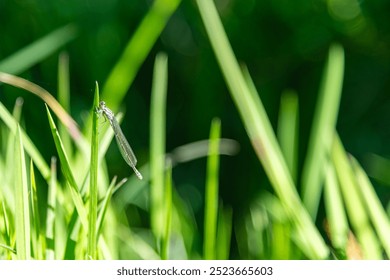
x,y
283,43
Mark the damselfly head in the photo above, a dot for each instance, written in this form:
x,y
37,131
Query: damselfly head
x,y
102,104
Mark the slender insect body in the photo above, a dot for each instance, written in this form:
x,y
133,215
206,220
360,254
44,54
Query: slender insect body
x,y
124,146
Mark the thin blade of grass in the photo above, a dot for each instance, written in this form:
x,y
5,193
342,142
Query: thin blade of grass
x,y
32,151
22,206
375,210
260,131
157,145
64,97
165,240
136,51
353,202
51,212
38,50
335,212
65,118
211,193
38,240
323,127
71,182
288,130
7,233
93,187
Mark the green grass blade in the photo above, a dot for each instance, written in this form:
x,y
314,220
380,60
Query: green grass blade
x,y
28,144
51,212
288,130
260,131
335,212
323,127
38,50
105,203
136,51
354,203
65,166
22,206
7,233
64,97
93,189
49,99
211,193
375,210
37,236
157,145
165,241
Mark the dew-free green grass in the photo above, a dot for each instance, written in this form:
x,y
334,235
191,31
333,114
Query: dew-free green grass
x,y
78,211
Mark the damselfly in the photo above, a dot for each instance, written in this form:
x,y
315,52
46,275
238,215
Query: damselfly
x,y
124,146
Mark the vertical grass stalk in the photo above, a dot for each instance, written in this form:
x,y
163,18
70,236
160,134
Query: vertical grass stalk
x,y
323,127
51,212
168,213
157,145
22,206
211,193
93,188
288,130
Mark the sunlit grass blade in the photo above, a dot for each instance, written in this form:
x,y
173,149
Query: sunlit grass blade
x,y
38,240
51,213
22,205
260,131
288,130
322,132
67,171
38,50
377,214
28,144
337,222
357,213
165,240
136,51
211,193
157,145
93,187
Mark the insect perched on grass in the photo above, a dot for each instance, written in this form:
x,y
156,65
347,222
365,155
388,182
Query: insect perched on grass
x,y
124,146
